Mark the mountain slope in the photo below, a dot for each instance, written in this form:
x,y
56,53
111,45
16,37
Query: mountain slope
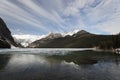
x,y
5,36
81,39
4,44
26,39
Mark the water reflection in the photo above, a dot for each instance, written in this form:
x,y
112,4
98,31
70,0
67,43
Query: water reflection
x,y
4,60
87,57
76,65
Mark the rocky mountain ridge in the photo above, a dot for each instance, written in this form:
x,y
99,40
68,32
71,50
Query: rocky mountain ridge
x,y
57,40
80,39
6,39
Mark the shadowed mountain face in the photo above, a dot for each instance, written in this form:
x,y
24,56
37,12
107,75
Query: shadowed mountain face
x,y
4,31
81,39
5,36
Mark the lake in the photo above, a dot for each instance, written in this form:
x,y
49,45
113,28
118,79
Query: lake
x,y
58,64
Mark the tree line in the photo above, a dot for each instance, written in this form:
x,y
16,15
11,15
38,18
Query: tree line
x,y
112,43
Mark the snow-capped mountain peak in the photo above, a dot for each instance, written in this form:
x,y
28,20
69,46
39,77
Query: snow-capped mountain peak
x,y
54,35
26,39
71,33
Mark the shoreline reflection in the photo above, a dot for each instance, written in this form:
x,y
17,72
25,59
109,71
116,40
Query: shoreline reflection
x,y
76,65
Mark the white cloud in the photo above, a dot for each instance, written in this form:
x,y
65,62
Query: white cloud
x,y
71,11
107,16
42,12
73,8
110,26
63,15
12,10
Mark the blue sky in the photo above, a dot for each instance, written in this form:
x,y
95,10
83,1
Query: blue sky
x,y
39,17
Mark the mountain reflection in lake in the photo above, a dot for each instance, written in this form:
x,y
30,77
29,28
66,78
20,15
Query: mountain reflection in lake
x,y
72,65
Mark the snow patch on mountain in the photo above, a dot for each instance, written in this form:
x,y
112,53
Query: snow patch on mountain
x,y
71,33
27,39
54,35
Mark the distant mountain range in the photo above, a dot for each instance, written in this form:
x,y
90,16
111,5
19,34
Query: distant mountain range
x,y
26,39
74,39
79,39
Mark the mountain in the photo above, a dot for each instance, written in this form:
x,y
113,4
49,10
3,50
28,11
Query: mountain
x,y
53,36
49,37
4,44
71,32
81,33
80,39
6,38
25,39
